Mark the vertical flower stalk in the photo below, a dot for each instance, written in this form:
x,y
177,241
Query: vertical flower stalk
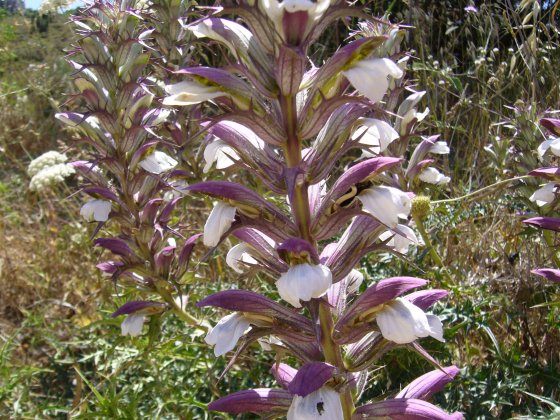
x,y
288,123
132,174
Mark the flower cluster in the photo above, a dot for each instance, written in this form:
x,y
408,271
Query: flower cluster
x,y
288,122
48,169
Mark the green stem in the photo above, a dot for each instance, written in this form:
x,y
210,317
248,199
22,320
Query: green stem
x,y
333,355
433,253
161,287
487,190
299,202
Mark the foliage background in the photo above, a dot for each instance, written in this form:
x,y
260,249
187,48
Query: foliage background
x,y
490,75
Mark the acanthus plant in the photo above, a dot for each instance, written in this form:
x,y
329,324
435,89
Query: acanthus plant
x,y
290,123
546,196
132,171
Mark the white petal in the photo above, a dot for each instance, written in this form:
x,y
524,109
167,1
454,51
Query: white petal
x,y
240,253
219,221
323,404
157,162
354,280
190,93
386,204
96,210
544,146
304,282
225,335
544,195
132,325
404,237
439,148
433,176
220,152
403,322
436,327
555,147
376,134
369,77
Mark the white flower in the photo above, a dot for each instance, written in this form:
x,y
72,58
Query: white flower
x,y
304,282
433,176
50,175
553,143
354,279
96,210
323,404
47,159
403,322
369,77
386,204
190,93
238,256
132,325
439,148
204,29
375,134
158,162
226,333
401,239
275,10
544,195
219,221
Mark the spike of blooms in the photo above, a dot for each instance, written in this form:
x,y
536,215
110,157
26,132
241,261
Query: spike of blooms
x,y
125,176
306,223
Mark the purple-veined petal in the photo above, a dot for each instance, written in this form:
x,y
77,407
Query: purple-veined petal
x,y
550,223
551,124
283,373
548,273
552,173
260,400
426,298
145,307
247,301
227,332
297,246
428,384
310,377
303,282
403,409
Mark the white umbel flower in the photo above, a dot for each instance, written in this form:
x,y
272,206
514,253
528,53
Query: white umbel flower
x,y
50,175
158,162
386,204
190,93
238,256
219,221
323,404
370,77
433,176
96,210
227,332
46,160
377,135
403,322
304,282
132,325
544,195
553,143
